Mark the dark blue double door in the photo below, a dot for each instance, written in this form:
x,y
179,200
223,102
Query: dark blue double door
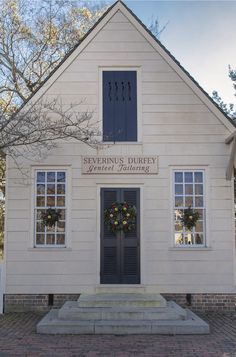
x,y
120,252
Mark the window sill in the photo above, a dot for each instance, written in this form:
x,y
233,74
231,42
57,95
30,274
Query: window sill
x,y
175,249
122,143
49,249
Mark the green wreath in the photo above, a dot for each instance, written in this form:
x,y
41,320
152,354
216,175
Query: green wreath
x,y
189,218
50,217
120,217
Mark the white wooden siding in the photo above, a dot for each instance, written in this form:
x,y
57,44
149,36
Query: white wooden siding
x,y
180,129
2,285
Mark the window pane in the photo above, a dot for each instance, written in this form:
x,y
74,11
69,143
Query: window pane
x,y
178,189
61,176
188,177
50,239
40,201
40,189
198,177
178,214
199,238
50,229
39,213
198,189
200,211
40,176
60,239
198,201
51,201
178,177
199,226
40,239
188,189
178,226
60,226
188,201
60,189
188,239
40,226
63,214
51,189
179,238
61,201
179,201
51,176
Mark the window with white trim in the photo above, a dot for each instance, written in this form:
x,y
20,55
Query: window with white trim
x,y
189,191
50,192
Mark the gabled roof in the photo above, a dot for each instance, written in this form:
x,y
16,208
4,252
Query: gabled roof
x,y
160,48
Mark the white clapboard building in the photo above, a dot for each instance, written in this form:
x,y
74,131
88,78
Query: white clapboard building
x,y
151,206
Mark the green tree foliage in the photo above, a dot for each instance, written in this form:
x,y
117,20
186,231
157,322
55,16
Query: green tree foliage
x,y
232,76
229,109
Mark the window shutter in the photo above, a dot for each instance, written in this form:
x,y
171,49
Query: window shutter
x,y
119,106
131,106
108,106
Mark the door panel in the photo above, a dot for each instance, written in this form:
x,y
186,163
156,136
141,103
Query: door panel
x,y
120,252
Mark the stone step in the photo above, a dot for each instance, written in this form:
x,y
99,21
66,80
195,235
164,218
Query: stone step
x,y
118,299
71,311
122,289
126,289
51,324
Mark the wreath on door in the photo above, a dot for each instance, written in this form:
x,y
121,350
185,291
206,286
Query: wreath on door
x,y
120,217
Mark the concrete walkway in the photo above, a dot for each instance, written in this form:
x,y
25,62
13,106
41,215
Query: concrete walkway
x,y
18,339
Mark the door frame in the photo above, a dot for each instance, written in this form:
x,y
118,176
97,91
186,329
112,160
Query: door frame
x,y
98,242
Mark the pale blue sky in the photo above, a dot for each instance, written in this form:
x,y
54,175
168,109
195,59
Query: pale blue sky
x,y
200,34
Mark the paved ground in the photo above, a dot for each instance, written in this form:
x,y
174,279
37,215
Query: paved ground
x,y
18,339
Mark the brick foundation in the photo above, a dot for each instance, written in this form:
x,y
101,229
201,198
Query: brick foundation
x,y
31,302
205,302
41,302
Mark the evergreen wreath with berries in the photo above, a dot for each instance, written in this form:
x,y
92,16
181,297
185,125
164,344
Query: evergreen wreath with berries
x,y
189,218
50,217
120,217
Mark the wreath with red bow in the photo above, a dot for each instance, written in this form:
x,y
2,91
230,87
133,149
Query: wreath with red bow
x,y
120,217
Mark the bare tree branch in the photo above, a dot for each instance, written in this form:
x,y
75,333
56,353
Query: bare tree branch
x,y
43,125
